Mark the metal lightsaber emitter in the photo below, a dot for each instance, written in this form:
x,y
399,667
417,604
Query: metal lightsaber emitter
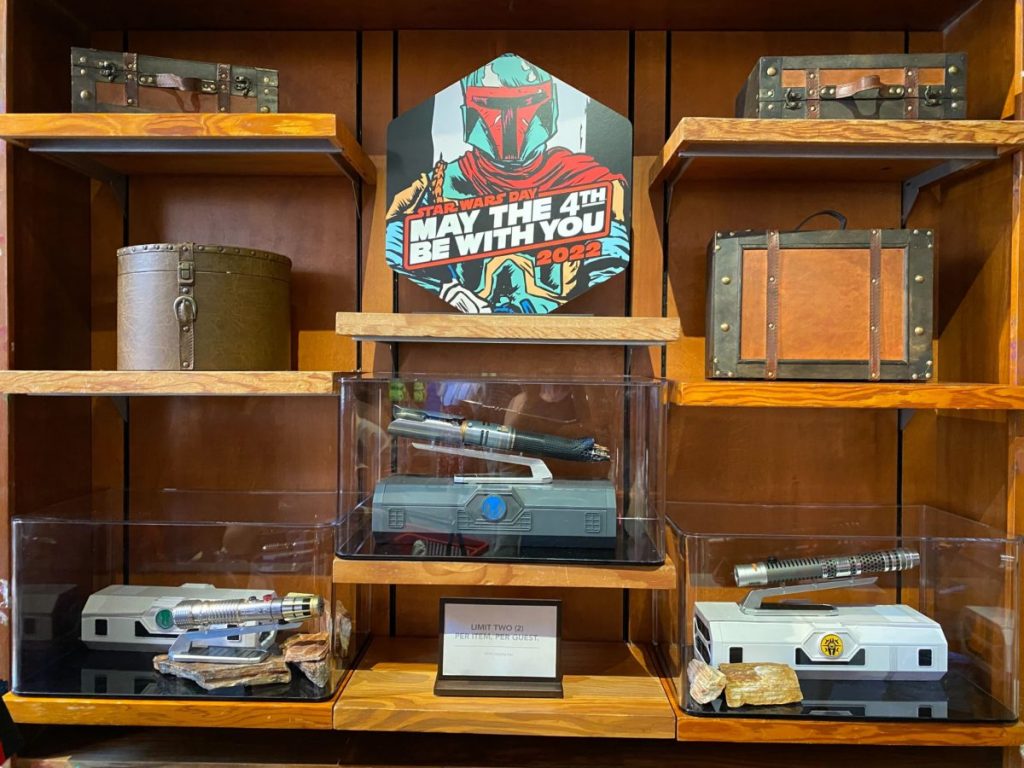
x,y
193,614
454,430
824,568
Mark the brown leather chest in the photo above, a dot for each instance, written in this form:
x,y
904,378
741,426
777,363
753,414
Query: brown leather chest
x,y
834,304
187,306
111,81
891,86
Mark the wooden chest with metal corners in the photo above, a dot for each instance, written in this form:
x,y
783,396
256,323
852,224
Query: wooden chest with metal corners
x,y
111,81
830,304
890,86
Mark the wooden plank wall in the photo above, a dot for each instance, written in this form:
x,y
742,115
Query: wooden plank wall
x,y
759,455
65,316
283,443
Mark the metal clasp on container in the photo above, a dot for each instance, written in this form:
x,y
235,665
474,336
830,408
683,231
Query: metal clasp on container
x,y
186,272
932,96
179,306
243,85
107,70
793,98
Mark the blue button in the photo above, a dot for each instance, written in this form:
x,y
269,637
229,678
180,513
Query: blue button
x,y
493,508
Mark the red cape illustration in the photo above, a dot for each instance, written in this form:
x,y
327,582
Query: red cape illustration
x,y
555,168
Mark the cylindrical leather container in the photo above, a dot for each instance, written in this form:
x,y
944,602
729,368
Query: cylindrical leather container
x,y
188,306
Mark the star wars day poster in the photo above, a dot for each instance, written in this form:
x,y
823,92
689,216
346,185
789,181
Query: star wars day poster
x,y
508,191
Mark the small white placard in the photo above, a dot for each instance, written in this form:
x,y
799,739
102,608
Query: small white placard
x,y
506,639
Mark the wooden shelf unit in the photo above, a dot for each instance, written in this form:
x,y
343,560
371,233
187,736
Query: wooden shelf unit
x,y
51,710
131,383
811,730
369,571
610,689
878,150
110,144
753,394
519,329
659,62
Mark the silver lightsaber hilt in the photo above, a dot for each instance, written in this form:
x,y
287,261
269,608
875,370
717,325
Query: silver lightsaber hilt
x,y
824,568
192,614
454,430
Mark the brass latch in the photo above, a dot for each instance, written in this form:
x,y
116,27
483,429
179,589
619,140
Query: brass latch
x,y
932,96
107,70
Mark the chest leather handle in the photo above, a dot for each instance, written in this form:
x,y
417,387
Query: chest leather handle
x,y
852,88
826,212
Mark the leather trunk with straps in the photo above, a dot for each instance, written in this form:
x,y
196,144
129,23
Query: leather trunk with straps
x,y
830,304
889,86
188,306
109,81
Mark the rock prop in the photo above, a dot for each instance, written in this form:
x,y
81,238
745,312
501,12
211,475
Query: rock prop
x,y
213,676
706,682
760,684
310,653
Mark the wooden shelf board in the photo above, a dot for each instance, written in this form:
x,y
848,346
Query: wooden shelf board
x,y
759,730
610,689
810,731
520,329
786,394
105,144
167,383
896,150
365,571
47,710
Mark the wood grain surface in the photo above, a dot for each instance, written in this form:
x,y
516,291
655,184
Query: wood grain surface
x,y
26,127
610,689
807,731
990,34
540,329
971,215
782,455
756,394
364,571
172,132
748,136
754,445
169,712
166,383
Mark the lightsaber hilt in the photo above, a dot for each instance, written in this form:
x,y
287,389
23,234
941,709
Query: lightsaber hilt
x,y
824,568
446,428
192,614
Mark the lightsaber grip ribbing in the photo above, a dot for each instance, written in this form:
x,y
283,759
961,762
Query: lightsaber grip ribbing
x,y
579,449
824,568
190,614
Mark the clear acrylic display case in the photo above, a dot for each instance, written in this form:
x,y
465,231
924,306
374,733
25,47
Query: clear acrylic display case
x,y
964,593
426,470
94,593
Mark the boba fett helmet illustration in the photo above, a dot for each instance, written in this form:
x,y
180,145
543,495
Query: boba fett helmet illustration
x,y
510,109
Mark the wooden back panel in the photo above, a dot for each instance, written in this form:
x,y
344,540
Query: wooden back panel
x,y
793,455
